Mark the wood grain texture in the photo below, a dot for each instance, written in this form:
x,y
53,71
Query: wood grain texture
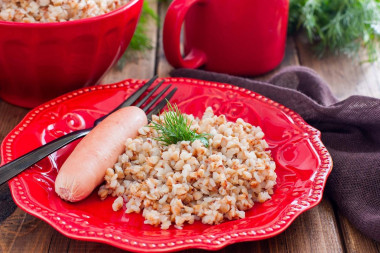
x,y
162,65
22,232
139,65
314,231
11,228
346,77
321,229
59,242
10,116
355,241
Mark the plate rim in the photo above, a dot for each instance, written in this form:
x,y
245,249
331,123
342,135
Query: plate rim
x,y
208,243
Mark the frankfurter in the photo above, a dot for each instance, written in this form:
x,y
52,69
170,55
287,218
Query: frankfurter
x,y
85,168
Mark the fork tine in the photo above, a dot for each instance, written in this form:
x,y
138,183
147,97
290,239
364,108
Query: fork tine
x,y
159,95
161,104
149,94
130,100
137,94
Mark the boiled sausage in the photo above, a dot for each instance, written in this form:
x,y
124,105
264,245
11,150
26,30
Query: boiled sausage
x,y
85,168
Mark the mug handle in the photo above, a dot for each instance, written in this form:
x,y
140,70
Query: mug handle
x,y
171,36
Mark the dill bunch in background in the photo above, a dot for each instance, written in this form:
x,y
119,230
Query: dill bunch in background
x,y
339,26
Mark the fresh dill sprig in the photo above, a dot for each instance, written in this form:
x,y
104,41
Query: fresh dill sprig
x,y
176,127
339,26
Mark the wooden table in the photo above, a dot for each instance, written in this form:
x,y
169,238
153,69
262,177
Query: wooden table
x,y
321,229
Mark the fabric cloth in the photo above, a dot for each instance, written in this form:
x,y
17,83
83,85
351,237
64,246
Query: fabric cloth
x,y
350,130
7,206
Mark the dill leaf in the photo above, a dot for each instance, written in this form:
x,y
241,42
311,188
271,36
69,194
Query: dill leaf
x,y
339,26
175,127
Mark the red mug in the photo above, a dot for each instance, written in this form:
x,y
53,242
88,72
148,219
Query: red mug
x,y
245,37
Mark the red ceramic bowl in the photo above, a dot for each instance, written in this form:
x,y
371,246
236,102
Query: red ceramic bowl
x,y
39,61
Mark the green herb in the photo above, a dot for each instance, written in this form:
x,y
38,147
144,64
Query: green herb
x,y
175,127
340,26
140,41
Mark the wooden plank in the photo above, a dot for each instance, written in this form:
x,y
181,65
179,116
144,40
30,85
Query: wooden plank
x,y
139,65
355,240
308,233
34,234
22,232
59,243
304,235
85,247
314,231
10,228
10,116
163,67
346,77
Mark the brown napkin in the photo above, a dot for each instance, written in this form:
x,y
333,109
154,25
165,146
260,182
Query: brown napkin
x,y
6,203
350,130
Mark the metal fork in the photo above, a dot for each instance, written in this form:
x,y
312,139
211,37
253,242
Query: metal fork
x,y
20,164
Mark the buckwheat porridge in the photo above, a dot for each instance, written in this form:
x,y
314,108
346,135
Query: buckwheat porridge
x,y
31,11
188,181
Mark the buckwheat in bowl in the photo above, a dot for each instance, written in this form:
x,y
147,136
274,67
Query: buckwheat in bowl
x,y
55,10
50,47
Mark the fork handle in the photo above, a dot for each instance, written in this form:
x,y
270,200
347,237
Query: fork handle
x,y
13,168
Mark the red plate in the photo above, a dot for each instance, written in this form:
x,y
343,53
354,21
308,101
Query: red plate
x,y
303,165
